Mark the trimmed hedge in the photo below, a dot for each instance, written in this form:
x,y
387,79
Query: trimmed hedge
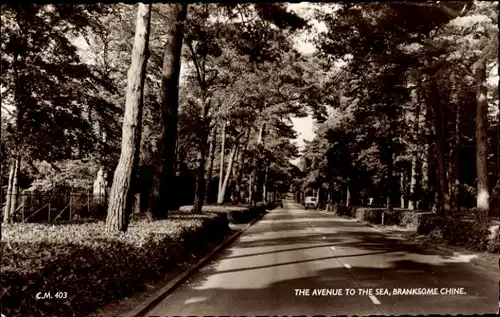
x,y
428,224
341,210
372,215
473,235
469,234
235,214
405,218
91,266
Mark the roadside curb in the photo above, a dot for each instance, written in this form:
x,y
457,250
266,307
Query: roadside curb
x,y
159,295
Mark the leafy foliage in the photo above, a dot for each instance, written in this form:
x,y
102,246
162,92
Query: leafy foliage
x,y
394,59
44,81
63,258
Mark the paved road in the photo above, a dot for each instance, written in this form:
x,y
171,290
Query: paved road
x,y
292,248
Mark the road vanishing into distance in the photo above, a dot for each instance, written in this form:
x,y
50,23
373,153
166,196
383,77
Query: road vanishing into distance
x,y
291,248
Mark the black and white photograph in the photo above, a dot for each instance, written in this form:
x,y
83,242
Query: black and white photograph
x,y
249,158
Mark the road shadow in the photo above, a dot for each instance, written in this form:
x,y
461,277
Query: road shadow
x,y
279,297
377,260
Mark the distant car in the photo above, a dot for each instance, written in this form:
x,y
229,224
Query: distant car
x,y
311,202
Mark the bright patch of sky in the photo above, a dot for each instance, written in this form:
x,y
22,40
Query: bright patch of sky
x,y
305,127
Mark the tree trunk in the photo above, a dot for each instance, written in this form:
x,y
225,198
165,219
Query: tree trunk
x,y
162,197
251,179
199,193
456,158
483,193
427,157
234,169
222,192
222,150
414,161
8,195
239,168
348,196
12,191
402,175
264,189
120,201
12,187
427,152
389,179
257,172
212,141
439,120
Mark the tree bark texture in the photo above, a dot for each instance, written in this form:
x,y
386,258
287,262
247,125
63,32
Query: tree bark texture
x,y
12,186
199,193
222,192
483,192
348,196
162,195
121,196
251,181
12,191
439,120
222,150
259,177
239,169
456,159
212,141
402,184
264,190
389,178
414,161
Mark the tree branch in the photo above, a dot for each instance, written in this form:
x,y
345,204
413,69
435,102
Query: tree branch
x,y
197,66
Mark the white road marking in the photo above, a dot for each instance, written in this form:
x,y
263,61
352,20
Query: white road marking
x,y
324,237
347,266
193,300
333,248
374,300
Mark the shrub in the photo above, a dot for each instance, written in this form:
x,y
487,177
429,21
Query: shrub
x,y
405,218
340,210
494,242
94,267
372,215
352,211
469,234
393,218
235,214
412,218
429,223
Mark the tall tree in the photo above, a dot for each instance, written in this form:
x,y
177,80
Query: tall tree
x,y
483,192
212,142
162,196
46,88
120,201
